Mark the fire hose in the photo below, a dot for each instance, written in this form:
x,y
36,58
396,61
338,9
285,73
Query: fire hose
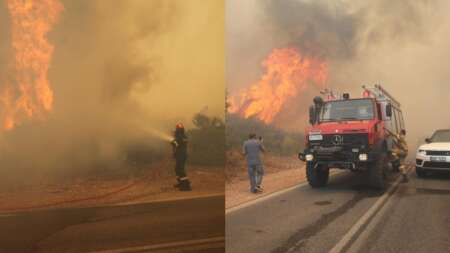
x,y
74,200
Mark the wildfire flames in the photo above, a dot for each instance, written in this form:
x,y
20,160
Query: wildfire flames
x,y
287,74
26,92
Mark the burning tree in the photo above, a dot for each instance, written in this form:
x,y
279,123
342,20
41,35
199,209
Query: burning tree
x,y
287,74
27,93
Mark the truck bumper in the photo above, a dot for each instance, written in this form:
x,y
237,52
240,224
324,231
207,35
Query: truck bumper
x,y
353,159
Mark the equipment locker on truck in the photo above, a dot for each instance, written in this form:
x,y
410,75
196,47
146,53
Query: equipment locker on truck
x,y
351,133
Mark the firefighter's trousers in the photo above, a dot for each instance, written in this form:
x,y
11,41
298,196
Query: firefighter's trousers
x,y
180,171
180,166
401,156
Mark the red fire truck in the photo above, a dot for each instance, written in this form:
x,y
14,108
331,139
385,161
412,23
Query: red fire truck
x,y
350,133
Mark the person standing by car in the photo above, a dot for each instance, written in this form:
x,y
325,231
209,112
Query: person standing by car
x,y
251,150
400,152
179,145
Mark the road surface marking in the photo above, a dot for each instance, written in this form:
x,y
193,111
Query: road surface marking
x,y
263,198
163,246
169,199
365,219
270,195
358,244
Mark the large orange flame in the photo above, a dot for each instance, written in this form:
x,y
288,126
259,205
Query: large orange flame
x,y
27,92
287,74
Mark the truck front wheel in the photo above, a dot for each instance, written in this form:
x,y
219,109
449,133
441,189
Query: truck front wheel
x,y
376,173
317,176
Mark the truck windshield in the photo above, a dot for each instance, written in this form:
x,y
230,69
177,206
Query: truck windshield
x,y
358,109
441,136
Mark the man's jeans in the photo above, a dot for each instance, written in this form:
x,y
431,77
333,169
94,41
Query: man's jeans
x,y
255,174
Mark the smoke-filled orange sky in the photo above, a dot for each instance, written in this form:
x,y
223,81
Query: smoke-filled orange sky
x,y
402,45
118,71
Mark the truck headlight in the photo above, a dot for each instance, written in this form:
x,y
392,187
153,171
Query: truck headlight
x,y
422,152
363,157
309,157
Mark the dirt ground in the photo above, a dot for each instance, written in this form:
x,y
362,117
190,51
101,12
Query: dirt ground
x,y
155,184
280,173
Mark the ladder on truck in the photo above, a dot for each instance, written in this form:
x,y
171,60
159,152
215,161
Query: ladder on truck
x,y
380,93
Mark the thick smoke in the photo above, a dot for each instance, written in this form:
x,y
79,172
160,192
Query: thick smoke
x,y
120,72
4,47
340,29
401,45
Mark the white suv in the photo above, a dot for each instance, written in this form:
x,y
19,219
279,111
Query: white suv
x,y
435,155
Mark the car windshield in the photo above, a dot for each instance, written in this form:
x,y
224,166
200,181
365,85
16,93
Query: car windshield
x,y
358,109
441,136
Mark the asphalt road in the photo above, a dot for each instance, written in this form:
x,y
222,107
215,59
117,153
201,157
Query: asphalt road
x,y
117,227
415,218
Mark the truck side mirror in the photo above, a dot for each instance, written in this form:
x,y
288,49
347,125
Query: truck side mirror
x,y
389,110
312,115
428,140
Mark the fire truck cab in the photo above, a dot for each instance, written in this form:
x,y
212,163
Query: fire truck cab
x,y
352,133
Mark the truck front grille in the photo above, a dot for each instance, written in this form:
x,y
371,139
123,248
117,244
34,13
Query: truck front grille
x,y
354,140
334,153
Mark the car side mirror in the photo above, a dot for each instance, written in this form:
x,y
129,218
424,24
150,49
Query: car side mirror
x,y
389,110
428,140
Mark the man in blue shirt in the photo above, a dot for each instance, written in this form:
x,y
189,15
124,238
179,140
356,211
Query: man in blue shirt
x,y
251,150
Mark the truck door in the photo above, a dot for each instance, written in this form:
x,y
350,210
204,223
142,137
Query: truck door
x,y
389,123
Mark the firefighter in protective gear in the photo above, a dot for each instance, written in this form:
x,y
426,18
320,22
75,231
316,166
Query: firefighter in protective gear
x,y
179,145
400,152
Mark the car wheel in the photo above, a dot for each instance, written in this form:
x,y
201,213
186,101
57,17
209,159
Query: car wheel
x,y
421,172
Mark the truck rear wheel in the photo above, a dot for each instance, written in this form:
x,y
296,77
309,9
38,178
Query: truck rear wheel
x,y
376,173
318,176
396,166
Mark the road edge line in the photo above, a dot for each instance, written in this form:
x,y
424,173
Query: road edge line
x,y
162,246
263,198
365,219
271,195
202,196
